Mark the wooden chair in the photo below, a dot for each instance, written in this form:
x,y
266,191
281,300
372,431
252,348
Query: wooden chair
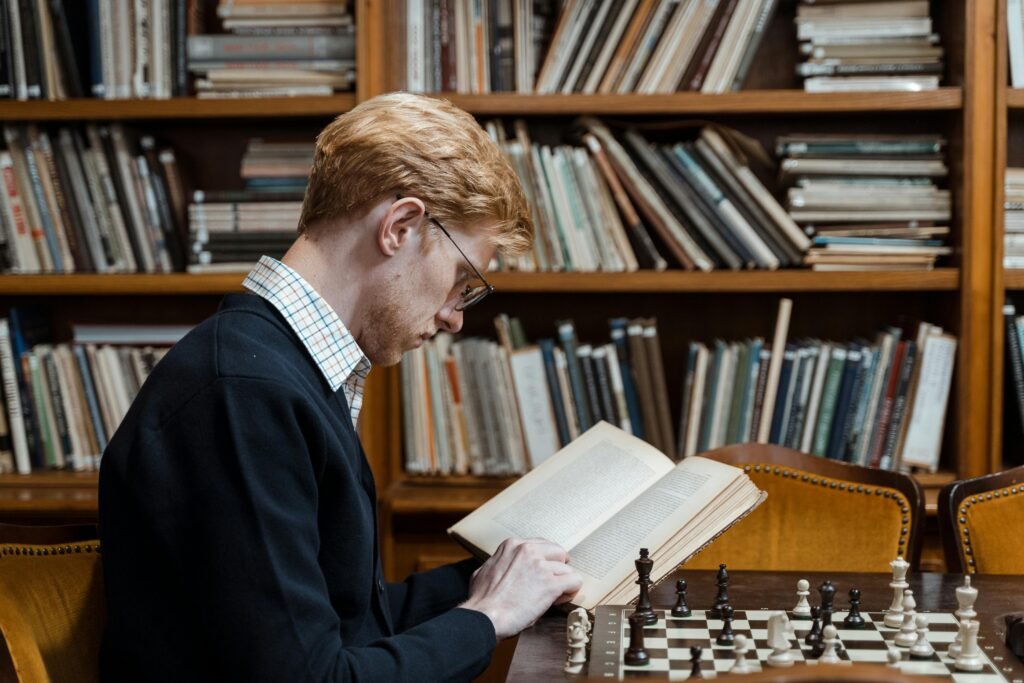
x,y
980,521
52,604
820,515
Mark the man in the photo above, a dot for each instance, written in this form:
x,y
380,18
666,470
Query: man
x,y
237,509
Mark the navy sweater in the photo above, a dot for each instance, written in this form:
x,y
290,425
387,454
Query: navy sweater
x,y
238,525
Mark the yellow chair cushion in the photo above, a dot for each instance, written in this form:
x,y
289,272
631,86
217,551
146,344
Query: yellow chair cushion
x,y
53,610
813,523
989,526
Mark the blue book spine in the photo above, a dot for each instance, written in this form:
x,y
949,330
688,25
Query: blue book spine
x,y
567,335
788,358
90,396
547,352
836,437
618,334
95,49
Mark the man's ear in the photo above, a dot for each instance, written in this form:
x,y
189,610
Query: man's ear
x,y
399,224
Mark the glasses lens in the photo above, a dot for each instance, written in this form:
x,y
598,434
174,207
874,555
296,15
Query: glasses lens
x,y
473,295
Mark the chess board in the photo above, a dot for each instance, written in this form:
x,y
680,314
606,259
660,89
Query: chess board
x,y
668,644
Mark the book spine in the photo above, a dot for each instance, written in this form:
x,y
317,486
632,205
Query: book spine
x,y
782,397
686,398
842,407
604,385
760,387
12,395
830,393
585,354
642,377
60,417
31,49
618,392
91,396
764,17
619,338
898,407
696,80
547,348
885,407
1016,360
567,335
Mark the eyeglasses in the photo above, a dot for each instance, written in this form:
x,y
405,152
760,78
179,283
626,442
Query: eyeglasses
x,y
472,294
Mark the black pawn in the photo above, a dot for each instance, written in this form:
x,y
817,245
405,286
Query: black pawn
x,y
813,637
681,609
644,565
722,598
854,620
636,655
695,653
725,636
828,595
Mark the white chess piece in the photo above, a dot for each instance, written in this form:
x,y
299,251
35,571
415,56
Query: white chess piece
x,y
741,646
778,639
922,648
894,615
830,636
969,658
893,658
576,627
908,633
966,595
803,608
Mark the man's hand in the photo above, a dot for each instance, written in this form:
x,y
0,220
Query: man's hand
x,y
520,582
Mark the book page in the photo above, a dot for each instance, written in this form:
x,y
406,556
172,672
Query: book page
x,y
570,494
682,496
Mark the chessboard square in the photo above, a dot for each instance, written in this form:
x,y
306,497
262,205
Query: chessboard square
x,y
941,636
651,643
935,618
692,633
859,635
925,668
684,644
874,656
723,665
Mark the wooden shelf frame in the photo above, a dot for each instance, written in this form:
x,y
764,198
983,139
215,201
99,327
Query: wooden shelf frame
x,y
176,108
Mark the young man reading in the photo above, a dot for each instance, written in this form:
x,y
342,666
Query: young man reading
x,y
237,509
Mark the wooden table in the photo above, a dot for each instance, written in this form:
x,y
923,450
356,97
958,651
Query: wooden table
x,y
540,653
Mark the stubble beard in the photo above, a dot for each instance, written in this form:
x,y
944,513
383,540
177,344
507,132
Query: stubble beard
x,y
388,330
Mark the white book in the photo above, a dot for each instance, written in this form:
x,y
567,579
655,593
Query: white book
x,y
566,37
646,45
611,42
923,441
583,50
871,83
723,67
1015,38
618,388
774,368
535,407
671,40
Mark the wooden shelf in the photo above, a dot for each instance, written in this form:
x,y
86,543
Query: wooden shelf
x,y
176,108
49,496
1015,98
743,102
942,279
1013,278
436,495
727,281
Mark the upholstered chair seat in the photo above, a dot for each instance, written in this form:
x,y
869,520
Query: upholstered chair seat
x,y
982,523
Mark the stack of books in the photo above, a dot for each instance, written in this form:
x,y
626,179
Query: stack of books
x,y
856,46
230,230
1013,227
96,199
1015,41
622,202
878,404
618,46
276,49
105,48
870,202
500,408
63,402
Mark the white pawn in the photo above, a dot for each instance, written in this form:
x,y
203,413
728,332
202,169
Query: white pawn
x,y
831,638
908,633
966,595
922,648
741,647
803,608
894,615
893,658
969,658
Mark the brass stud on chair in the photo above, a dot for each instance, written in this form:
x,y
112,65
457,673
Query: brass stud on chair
x,y
805,478
746,468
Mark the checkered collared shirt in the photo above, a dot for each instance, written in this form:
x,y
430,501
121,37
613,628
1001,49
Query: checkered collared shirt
x,y
332,346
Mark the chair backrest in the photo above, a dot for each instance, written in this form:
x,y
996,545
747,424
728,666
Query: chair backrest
x,y
980,521
820,515
52,603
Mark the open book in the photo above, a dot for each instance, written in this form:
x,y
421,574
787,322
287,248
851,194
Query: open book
x,y
606,495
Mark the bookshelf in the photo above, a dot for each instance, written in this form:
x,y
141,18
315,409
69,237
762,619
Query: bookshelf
x,y
970,110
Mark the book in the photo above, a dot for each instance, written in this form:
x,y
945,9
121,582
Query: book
x,y
606,495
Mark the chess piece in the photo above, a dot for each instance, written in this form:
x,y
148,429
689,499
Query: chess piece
x,y
969,658
953,651
681,609
636,654
908,632
830,637
644,565
894,615
828,594
813,637
893,658
576,627
921,649
722,598
695,654
778,640
725,636
853,619
965,597
740,647
803,608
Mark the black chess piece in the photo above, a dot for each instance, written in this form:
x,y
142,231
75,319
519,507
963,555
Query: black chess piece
x,y
636,655
722,598
854,620
681,609
828,595
813,637
644,565
725,636
695,654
